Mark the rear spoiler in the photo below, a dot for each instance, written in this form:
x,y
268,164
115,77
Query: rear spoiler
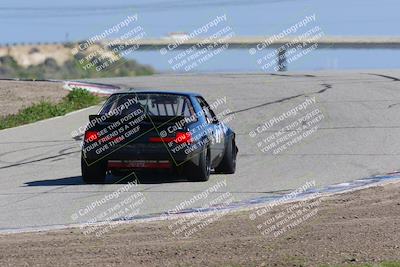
x,y
99,118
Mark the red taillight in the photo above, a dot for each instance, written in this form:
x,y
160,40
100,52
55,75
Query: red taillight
x,y
91,136
180,138
183,137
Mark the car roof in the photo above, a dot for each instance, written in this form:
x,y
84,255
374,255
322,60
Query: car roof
x,y
139,91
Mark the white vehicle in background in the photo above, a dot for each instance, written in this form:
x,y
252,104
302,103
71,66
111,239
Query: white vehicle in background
x,y
181,36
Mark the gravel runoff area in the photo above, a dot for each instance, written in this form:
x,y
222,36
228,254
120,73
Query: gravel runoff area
x,y
351,228
15,95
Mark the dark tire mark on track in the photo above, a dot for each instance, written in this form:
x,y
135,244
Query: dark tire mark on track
x,y
395,79
326,87
38,160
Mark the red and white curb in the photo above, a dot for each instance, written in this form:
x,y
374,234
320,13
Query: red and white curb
x,y
103,89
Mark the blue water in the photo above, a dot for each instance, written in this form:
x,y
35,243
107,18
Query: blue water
x,y
53,21
240,61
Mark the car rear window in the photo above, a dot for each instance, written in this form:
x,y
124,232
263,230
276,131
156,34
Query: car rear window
x,y
155,105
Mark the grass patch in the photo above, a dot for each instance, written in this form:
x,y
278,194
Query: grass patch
x,y
76,99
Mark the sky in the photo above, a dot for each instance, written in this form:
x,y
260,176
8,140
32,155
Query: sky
x,y
51,21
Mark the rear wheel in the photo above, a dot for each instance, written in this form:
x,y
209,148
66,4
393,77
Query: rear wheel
x,y
228,163
94,173
201,172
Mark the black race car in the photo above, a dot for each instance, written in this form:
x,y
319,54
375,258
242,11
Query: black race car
x,y
147,130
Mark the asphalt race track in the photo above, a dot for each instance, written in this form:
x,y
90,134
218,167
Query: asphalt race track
x,y
40,183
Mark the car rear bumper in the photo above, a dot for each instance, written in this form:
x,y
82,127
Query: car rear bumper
x,y
144,156
139,164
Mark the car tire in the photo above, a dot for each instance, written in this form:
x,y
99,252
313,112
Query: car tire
x,y
228,162
94,173
202,172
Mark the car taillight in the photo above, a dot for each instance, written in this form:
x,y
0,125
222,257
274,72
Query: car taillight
x,y
180,138
91,136
183,137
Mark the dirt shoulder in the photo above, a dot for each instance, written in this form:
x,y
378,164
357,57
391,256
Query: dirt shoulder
x,y
353,228
15,95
